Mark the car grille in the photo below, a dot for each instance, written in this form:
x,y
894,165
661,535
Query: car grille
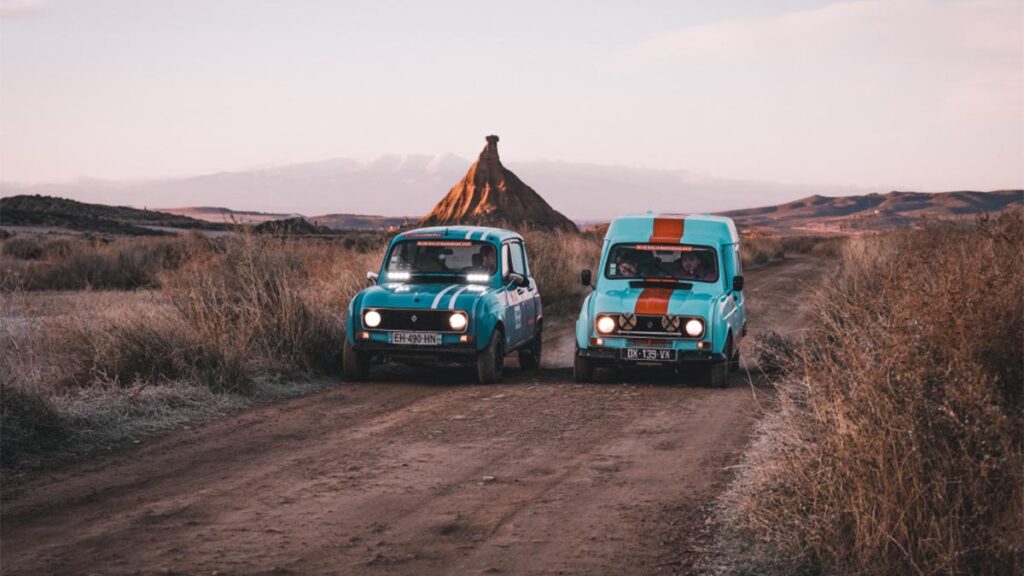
x,y
415,320
652,326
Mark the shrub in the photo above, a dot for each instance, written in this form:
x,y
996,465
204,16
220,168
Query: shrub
x,y
23,248
556,260
82,263
247,312
896,444
28,423
774,352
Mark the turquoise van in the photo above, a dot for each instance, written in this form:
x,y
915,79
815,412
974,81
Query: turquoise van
x,y
451,295
669,292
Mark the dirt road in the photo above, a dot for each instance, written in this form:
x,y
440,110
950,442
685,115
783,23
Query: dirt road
x,y
406,475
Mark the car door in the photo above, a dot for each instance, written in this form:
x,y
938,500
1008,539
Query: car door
x,y
509,297
741,313
524,295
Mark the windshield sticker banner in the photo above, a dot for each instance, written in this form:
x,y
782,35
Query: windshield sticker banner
x,y
663,248
445,243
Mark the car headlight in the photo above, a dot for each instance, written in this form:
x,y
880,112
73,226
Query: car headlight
x,y
371,319
458,321
694,327
606,324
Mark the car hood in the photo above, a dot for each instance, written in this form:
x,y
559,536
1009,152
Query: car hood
x,y
633,300
423,296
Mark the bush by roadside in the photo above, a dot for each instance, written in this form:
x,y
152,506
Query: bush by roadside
x,y
895,446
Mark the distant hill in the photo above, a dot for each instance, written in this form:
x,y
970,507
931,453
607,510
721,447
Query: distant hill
x,y
410,185
49,211
332,221
827,215
851,214
220,215
291,227
359,221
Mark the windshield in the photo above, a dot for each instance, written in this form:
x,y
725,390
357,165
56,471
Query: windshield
x,y
443,257
662,261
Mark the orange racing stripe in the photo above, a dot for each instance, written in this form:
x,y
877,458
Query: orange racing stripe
x,y
668,230
654,301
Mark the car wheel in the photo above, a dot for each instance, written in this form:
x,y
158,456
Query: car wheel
x,y
529,357
582,369
354,364
490,362
720,370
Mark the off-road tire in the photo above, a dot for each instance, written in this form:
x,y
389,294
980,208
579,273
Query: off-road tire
x,y
354,364
529,357
490,362
582,369
719,377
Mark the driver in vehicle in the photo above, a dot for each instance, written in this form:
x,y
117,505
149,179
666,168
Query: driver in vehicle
x,y
626,266
488,258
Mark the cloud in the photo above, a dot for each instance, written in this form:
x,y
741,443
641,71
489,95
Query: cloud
x,y
866,91
972,52
10,9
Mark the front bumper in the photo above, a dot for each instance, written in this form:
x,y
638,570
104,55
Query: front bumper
x,y
446,353
613,357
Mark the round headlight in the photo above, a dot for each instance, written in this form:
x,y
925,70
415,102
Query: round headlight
x,y
605,324
694,327
371,319
458,321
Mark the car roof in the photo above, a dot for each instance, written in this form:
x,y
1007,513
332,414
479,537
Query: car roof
x,y
673,229
459,233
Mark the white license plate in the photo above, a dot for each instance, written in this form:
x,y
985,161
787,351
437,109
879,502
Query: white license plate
x,y
648,355
416,338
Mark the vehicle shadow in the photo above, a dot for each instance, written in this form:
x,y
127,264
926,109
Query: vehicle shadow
x,y
643,376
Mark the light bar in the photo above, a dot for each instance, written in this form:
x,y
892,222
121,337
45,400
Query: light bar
x,y
399,275
479,278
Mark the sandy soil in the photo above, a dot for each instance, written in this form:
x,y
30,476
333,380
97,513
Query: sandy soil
x,y
417,472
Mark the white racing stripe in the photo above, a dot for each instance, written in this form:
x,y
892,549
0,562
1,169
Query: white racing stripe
x,y
469,235
437,299
451,304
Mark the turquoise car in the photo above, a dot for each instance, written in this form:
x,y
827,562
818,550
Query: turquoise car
x,y
669,292
457,294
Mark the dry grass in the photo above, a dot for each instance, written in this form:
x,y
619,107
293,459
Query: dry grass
x,y
762,250
896,445
221,320
244,316
556,260
91,264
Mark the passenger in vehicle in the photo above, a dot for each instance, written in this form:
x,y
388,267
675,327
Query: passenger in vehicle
x,y
692,268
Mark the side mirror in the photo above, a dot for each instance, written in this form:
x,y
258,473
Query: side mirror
x,y
737,283
372,277
585,277
518,280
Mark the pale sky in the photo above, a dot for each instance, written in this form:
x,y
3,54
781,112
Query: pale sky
x,y
916,94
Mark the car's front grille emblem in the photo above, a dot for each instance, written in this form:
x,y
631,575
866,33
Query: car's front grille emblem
x,y
413,318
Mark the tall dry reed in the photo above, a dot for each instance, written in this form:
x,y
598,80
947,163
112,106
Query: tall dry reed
x,y
896,446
